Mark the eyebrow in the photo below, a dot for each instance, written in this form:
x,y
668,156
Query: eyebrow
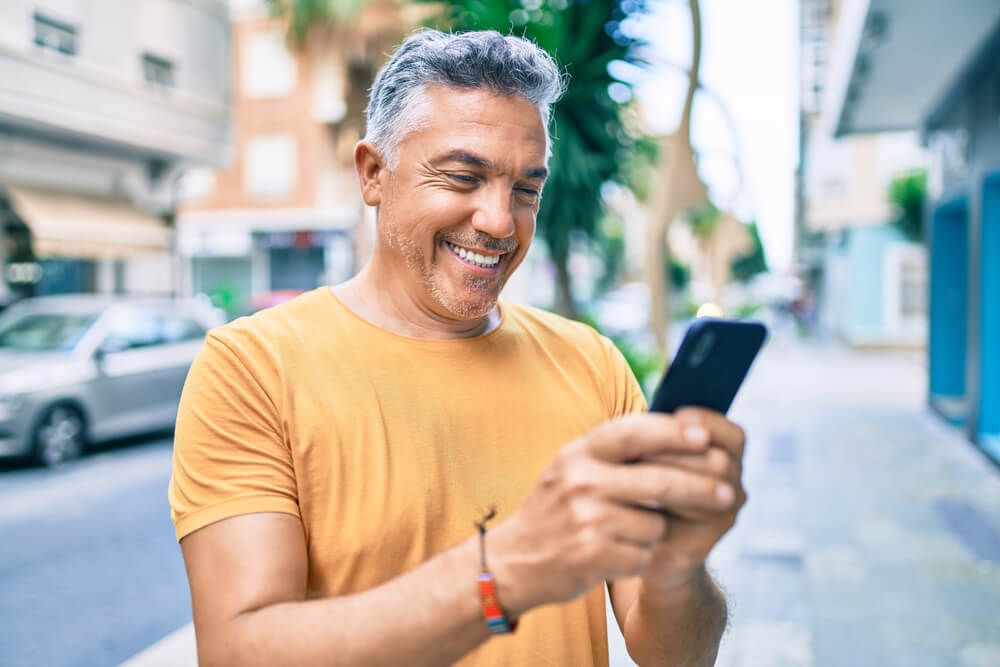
x,y
473,160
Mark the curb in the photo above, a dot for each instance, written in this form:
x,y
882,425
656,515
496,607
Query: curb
x,y
175,650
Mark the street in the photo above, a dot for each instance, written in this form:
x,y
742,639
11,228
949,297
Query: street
x,y
872,535
89,571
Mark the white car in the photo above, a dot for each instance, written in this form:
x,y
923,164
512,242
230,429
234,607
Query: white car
x,y
80,369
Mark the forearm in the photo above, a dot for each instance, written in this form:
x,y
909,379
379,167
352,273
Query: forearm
x,y
679,627
428,616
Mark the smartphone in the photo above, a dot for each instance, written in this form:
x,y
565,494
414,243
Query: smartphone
x,y
711,364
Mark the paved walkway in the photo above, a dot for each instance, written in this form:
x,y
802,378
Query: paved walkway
x,y
872,536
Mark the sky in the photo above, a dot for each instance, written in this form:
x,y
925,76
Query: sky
x,y
750,62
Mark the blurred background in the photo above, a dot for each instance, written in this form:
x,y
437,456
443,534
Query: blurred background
x,y
830,167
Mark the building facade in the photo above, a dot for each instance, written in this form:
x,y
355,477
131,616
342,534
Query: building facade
x,y
935,68
281,217
869,278
103,105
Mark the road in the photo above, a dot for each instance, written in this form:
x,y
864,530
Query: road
x,y
89,571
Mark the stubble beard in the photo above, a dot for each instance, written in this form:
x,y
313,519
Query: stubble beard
x,y
434,284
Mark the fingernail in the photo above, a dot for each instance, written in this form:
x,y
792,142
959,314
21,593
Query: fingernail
x,y
696,435
725,495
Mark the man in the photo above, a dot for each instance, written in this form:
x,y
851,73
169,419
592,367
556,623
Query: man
x,y
334,454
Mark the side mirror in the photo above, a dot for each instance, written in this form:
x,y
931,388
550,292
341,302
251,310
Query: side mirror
x,y
109,346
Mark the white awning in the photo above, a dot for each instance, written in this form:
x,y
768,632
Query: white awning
x,y
72,225
894,61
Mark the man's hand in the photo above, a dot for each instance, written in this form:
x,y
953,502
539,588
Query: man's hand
x,y
603,506
691,535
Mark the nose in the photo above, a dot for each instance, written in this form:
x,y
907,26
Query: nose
x,y
494,215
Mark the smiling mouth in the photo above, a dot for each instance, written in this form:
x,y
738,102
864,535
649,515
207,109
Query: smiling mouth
x,y
474,258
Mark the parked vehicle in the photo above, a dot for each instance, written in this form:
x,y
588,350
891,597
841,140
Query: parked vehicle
x,y
79,369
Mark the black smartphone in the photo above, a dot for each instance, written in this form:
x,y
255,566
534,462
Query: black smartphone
x,y
711,364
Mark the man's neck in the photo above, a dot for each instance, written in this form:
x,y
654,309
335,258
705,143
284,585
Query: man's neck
x,y
375,297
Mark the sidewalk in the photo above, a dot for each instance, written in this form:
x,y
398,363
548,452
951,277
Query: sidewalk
x,y
872,536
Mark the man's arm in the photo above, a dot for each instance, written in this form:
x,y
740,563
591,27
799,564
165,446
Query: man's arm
x,y
248,590
677,625
582,525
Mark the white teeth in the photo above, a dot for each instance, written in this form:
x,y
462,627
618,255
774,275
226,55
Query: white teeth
x,y
474,257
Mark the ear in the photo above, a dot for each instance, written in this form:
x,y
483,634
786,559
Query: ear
x,y
371,171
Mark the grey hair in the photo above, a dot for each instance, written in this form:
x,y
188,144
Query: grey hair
x,y
485,60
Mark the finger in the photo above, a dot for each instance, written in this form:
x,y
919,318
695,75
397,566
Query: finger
x,y
721,430
636,524
672,489
638,435
716,462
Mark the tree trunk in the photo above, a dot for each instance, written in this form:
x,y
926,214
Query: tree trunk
x,y
657,255
679,191
564,294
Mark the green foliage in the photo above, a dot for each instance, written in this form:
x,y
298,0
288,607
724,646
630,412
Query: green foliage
x,y
229,298
746,267
304,14
610,245
745,311
704,220
646,364
640,168
592,143
678,274
907,193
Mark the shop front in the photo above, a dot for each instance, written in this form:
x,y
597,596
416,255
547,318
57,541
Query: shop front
x,y
60,243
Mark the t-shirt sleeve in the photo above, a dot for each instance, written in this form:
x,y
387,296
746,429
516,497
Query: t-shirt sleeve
x,y
230,455
626,393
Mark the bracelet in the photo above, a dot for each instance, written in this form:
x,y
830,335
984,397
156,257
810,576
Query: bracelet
x,y
493,614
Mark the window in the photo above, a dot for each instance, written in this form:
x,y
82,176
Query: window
x,y
44,331
268,69
197,184
158,71
180,329
270,166
131,329
54,35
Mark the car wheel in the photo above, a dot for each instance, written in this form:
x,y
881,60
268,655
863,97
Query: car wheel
x,y
59,435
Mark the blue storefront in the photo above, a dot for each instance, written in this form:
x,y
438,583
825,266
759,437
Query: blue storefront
x,y
953,99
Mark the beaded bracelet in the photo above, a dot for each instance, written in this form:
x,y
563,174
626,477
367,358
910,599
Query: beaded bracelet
x,y
493,614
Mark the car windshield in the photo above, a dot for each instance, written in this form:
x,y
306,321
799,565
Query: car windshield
x,y
45,331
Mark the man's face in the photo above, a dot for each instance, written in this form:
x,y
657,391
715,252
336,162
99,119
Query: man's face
x,y
458,212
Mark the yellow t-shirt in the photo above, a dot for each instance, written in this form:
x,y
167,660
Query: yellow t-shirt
x,y
389,448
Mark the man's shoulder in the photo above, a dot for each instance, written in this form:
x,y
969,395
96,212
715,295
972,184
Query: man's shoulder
x,y
277,328
548,325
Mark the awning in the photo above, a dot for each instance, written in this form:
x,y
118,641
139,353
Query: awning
x,y
895,61
81,226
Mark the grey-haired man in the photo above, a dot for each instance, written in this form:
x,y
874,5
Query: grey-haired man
x,y
334,454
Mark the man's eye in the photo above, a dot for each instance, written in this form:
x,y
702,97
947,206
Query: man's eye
x,y
528,193
465,179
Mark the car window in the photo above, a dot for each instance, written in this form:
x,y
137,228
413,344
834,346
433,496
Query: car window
x,y
134,328
177,329
45,331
